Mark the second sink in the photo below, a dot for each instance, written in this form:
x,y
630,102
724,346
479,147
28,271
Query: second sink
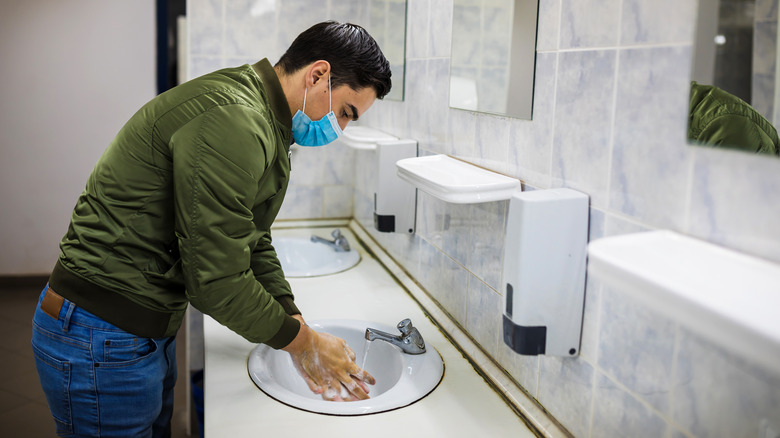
x,y
300,257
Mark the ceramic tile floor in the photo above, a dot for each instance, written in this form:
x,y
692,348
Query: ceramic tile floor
x,y
23,409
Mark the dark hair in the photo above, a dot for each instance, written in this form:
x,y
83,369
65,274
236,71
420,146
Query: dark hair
x,y
354,56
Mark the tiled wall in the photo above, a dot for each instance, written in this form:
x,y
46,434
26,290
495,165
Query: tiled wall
x,y
610,109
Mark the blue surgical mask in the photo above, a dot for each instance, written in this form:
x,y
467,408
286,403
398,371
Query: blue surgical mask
x,y
307,132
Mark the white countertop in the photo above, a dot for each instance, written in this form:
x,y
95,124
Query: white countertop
x,y
463,405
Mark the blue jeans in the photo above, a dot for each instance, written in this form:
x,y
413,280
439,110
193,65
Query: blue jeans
x,y
101,381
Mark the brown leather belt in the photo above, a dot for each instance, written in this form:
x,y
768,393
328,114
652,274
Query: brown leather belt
x,y
52,303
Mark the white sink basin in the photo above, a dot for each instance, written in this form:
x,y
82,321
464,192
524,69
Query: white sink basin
x,y
300,257
401,379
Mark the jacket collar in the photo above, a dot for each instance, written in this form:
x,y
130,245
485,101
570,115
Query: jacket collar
x,y
273,88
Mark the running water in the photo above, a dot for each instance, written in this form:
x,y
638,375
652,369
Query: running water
x,y
366,346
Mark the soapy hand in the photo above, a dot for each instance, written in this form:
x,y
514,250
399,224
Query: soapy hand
x,y
327,364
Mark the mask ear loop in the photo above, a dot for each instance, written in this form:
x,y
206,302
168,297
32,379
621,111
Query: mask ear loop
x,y
304,100
330,96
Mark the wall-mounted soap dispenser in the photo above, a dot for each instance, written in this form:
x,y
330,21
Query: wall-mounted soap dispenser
x,y
544,271
395,200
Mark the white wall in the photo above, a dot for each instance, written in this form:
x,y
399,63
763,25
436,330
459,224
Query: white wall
x,y
71,74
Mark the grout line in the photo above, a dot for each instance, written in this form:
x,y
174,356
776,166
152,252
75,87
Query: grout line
x,y
620,47
613,117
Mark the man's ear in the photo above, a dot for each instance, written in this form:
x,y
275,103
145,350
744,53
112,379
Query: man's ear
x,y
319,70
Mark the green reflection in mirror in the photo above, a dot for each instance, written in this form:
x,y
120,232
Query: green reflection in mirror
x,y
734,99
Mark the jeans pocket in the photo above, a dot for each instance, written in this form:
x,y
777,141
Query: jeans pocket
x,y
55,378
123,351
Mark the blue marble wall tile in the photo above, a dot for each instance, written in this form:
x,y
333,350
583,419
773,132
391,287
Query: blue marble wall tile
x,y
567,384
441,28
414,98
302,202
435,104
497,34
252,31
583,113
306,165
348,11
492,143
492,88
483,315
650,160
456,230
465,30
657,21
417,28
734,201
462,131
430,219
589,342
486,255
615,225
548,25
589,23
617,413
338,162
445,280
718,394
337,201
764,65
636,347
295,16
523,369
530,141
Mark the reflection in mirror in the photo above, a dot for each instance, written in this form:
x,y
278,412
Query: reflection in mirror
x,y
733,96
387,24
493,56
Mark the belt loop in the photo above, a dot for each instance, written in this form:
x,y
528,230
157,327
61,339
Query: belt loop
x,y
66,322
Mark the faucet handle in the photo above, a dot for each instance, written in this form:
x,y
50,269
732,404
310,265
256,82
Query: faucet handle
x,y
405,326
336,233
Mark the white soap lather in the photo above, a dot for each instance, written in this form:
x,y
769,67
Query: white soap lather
x,y
544,271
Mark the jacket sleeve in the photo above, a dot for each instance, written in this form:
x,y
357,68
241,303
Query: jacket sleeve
x,y
218,160
268,271
737,131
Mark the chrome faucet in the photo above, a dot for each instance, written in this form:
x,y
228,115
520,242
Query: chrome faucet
x,y
339,243
410,341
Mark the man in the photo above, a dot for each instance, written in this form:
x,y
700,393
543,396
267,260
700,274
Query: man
x,y
179,209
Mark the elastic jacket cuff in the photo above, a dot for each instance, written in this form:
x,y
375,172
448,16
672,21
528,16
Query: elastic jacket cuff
x,y
287,332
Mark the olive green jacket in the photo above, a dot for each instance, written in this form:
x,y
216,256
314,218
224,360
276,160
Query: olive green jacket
x,y
179,209
718,118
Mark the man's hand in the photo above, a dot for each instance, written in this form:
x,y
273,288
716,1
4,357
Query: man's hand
x,y
327,364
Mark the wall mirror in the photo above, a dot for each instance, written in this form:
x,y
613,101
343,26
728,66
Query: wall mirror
x,y
387,24
736,51
493,56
